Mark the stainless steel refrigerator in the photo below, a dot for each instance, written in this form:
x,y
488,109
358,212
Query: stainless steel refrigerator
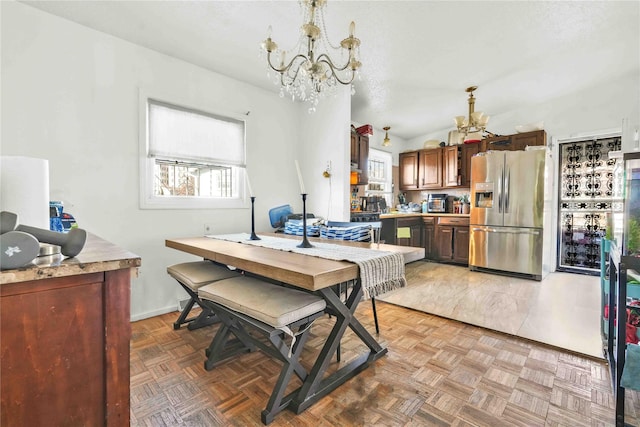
x,y
510,224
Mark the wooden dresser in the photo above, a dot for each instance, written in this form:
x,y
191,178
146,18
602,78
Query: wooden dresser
x,y
65,331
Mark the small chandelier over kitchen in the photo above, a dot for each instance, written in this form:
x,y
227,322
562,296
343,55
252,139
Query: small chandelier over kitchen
x,y
311,73
386,142
476,122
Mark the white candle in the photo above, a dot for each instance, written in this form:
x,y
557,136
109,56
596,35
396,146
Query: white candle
x,y
300,178
246,176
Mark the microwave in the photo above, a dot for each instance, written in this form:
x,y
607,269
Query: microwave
x,y
437,203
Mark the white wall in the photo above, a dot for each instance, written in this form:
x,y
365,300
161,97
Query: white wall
x,y
592,109
322,137
70,95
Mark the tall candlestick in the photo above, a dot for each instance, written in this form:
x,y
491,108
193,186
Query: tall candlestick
x,y
305,242
300,179
253,220
246,176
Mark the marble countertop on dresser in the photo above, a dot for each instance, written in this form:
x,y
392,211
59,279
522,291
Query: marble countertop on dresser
x,y
97,255
409,214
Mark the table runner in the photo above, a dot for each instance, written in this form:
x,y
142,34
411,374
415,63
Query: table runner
x,y
380,271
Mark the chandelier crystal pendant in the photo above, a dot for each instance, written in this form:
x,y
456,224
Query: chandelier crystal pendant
x,y
386,142
477,121
311,73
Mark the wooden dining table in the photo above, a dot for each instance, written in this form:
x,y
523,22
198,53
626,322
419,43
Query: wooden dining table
x,y
312,274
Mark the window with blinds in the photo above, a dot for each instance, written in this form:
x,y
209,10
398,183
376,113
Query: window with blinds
x,y
191,159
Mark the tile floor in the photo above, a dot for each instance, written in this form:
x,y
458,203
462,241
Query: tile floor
x,y
562,310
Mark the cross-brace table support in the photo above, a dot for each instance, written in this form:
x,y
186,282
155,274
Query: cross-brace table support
x,y
316,386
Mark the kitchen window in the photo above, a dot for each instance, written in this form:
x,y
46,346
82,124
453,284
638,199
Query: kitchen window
x,y
380,175
191,159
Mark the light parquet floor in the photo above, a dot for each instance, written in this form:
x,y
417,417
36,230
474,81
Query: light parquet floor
x,y
438,372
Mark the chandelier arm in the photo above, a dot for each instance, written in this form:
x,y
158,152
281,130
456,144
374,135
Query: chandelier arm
x,y
289,76
288,66
335,75
325,58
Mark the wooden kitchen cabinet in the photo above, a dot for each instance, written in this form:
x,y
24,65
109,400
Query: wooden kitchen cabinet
x,y
445,167
461,245
360,156
521,140
355,148
467,152
389,232
408,165
428,236
430,168
415,227
452,240
451,163
456,170
443,243
515,142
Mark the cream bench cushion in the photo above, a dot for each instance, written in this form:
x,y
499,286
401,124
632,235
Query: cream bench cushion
x,y
274,305
198,273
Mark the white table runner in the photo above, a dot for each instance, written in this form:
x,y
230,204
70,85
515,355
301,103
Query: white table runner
x,y
380,271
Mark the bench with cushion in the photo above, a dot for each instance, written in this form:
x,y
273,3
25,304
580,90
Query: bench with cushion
x,y
191,276
246,305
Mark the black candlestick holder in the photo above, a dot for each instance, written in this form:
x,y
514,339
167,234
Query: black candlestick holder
x,y
253,221
305,243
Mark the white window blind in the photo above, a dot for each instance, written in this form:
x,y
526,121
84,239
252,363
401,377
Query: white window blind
x,y
182,134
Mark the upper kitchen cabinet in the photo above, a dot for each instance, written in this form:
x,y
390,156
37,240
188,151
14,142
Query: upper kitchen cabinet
x,y
515,142
456,161
467,152
360,156
451,161
430,168
408,163
435,168
522,140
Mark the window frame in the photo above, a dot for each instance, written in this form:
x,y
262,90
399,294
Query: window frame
x,y
147,198
386,158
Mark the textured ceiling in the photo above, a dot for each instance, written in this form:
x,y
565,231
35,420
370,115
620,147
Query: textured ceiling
x,y
418,56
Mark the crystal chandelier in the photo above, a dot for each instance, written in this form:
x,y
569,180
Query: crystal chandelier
x,y
310,73
476,122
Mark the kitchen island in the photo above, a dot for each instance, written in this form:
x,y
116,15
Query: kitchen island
x,y
65,327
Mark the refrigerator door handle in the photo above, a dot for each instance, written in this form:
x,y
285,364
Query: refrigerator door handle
x,y
507,189
500,191
496,230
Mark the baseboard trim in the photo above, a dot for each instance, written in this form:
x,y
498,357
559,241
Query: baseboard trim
x,y
165,310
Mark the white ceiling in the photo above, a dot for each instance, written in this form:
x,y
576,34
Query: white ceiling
x,y
418,56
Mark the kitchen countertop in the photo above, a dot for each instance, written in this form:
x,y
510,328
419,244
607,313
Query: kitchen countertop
x,y
97,255
408,214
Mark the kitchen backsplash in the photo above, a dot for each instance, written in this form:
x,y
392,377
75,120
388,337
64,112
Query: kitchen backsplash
x,y
419,196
